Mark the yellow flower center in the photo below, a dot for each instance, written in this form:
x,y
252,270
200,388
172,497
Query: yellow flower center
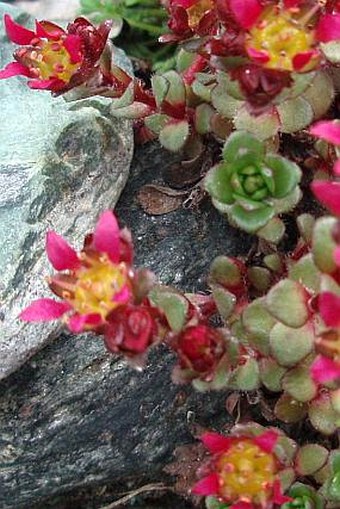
x,y
282,36
197,11
246,472
97,285
52,60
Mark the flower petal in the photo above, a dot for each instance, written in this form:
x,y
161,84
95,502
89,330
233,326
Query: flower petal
x,y
53,84
261,57
329,304
43,310
49,30
106,236
72,43
246,13
14,69
215,442
123,296
278,496
328,193
207,486
327,130
301,61
267,441
336,169
78,323
328,28
17,33
61,255
242,505
324,370
336,256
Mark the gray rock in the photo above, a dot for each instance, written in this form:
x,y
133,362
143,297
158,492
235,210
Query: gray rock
x,y
61,164
78,427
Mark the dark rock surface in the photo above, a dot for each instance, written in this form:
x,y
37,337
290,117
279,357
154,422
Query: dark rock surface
x,y
75,419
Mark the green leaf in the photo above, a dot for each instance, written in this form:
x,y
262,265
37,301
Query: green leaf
x,y
288,302
289,410
299,384
126,99
285,173
273,231
183,60
260,278
217,183
157,122
203,116
295,114
320,94
271,374
224,103
225,271
322,415
174,305
305,223
240,143
289,346
252,220
160,87
225,301
310,458
134,111
305,270
213,503
247,377
176,92
331,50
323,244
258,322
174,135
263,126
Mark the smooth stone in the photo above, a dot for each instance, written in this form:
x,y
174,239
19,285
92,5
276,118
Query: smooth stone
x,y
77,426
61,164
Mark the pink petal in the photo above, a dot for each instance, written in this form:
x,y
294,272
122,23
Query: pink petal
x,y
106,236
216,443
328,28
336,169
267,441
61,255
324,370
327,130
262,57
123,296
14,69
242,505
72,43
278,496
17,33
329,304
48,30
246,13
328,193
43,310
78,323
207,486
301,60
288,4
53,84
336,256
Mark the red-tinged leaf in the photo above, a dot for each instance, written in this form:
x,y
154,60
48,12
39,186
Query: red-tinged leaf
x,y
106,236
328,28
325,370
72,43
43,310
78,323
328,193
267,441
60,254
329,304
215,442
48,30
17,33
14,69
207,486
246,13
327,130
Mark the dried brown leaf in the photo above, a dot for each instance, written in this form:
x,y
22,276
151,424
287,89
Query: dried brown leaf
x,y
156,200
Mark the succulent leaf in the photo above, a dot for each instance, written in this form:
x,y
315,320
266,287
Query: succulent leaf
x,y
287,301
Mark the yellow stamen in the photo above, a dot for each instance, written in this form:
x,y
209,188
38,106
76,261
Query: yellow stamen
x,y
52,60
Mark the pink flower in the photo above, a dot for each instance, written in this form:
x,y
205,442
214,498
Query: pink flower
x,y
55,59
327,130
228,479
328,193
325,370
93,283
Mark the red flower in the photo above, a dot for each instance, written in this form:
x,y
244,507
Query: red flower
x,y
189,17
55,59
243,470
328,193
199,349
325,370
93,283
